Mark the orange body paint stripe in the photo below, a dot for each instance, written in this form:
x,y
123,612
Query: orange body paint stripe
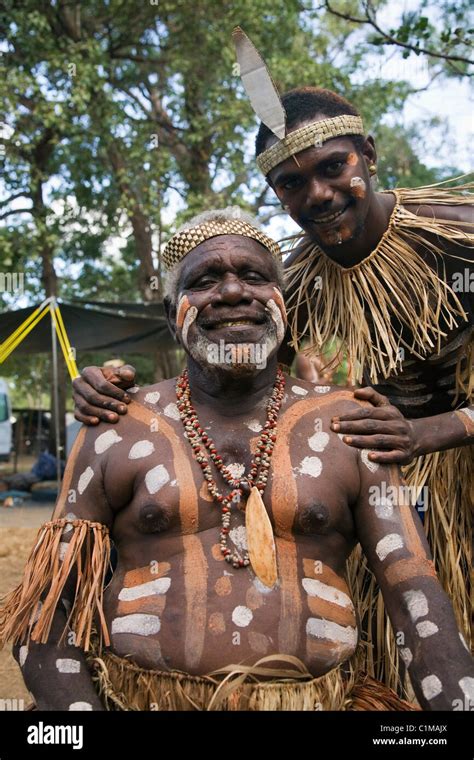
x,y
290,590
466,421
406,569
327,575
333,612
188,500
145,574
146,605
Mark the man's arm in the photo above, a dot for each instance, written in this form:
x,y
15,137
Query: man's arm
x,y
56,673
99,393
394,439
440,667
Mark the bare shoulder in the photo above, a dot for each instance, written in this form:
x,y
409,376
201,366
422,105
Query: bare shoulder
x,y
336,398
455,213
154,395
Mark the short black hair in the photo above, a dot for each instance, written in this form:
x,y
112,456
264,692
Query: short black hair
x,y
305,103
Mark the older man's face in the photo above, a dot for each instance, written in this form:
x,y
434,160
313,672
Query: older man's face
x,y
229,297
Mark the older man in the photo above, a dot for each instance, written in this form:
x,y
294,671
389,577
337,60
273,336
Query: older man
x,y
233,507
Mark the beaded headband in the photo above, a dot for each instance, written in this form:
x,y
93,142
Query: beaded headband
x,y
185,241
311,135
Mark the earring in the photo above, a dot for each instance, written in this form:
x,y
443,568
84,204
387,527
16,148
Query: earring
x,y
373,168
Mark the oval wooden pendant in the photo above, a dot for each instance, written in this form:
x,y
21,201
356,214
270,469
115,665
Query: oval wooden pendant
x,y
260,540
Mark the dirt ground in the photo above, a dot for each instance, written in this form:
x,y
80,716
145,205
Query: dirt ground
x,y
18,529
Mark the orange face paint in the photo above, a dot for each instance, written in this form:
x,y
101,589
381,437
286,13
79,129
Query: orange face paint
x,y
358,187
278,298
183,307
352,159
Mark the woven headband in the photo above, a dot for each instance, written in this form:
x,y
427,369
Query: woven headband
x,y
311,135
185,241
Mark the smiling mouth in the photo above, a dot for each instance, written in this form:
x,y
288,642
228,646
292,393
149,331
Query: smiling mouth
x,y
329,217
233,323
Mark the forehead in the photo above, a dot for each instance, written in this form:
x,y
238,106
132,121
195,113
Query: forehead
x,y
311,157
226,253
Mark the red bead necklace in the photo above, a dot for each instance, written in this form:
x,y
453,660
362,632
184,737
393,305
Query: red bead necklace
x,y
259,468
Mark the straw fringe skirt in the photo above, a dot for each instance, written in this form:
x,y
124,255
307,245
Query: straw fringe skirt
x,y
124,686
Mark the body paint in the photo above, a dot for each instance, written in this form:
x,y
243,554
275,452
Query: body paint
x,y
388,544
106,440
138,624
141,449
358,187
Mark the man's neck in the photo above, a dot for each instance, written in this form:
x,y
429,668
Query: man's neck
x,y
231,395
357,248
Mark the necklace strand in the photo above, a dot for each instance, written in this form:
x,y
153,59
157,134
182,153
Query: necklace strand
x,y
205,451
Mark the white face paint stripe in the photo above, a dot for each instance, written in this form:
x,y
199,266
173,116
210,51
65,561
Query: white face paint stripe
x,y
191,315
388,544
467,686
67,665
426,628
406,656
80,706
106,440
278,319
318,441
141,625
311,466
141,449
22,655
299,391
156,478
242,616
325,629
364,455
152,398
431,686
158,586
326,592
417,604
85,479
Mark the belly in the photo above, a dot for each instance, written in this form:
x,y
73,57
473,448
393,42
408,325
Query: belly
x,y
193,612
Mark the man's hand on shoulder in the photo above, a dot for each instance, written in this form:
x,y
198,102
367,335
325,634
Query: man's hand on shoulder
x,y
100,393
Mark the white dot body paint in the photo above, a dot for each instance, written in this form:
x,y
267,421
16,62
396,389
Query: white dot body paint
x,y
325,629
66,665
298,390
106,440
388,544
22,655
318,441
133,389
80,707
172,411
152,398
242,616
277,317
236,469
426,628
467,686
85,479
417,604
156,478
364,455
238,536
158,586
254,426
384,508
431,686
62,550
311,466
406,656
68,528
141,625
190,317
141,449
322,388
326,592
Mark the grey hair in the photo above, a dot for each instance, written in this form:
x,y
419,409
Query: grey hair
x,y
216,215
